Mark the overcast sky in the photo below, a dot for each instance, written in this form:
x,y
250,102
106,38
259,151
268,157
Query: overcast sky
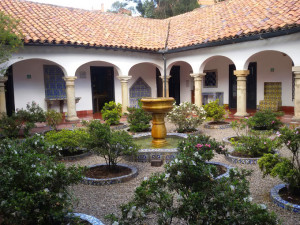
x,y
82,4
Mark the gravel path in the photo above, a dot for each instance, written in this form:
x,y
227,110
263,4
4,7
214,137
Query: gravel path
x,y
102,200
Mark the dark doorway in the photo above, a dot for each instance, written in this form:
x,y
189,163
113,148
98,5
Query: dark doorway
x,y
232,87
251,87
102,81
174,84
9,92
159,84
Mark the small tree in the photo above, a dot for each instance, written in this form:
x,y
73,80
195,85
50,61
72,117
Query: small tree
x,y
109,144
10,39
53,118
215,111
112,113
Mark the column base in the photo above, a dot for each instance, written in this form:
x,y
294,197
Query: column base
x,y
296,118
72,119
241,114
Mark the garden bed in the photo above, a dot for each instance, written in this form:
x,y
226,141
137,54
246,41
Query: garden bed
x,y
217,125
223,169
73,156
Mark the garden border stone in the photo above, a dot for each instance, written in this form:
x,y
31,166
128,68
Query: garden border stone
x,y
240,160
274,194
91,219
76,157
108,181
226,174
216,126
226,140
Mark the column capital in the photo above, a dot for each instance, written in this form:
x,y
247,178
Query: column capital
x,y
241,73
198,76
168,77
124,79
3,79
296,71
70,80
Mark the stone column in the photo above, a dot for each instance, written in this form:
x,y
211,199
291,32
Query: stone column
x,y
296,70
71,105
167,91
198,78
241,92
2,95
124,85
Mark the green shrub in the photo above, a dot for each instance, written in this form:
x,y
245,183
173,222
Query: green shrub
x,y
186,116
214,111
109,144
69,140
34,188
53,118
10,125
240,127
265,120
187,193
112,113
138,119
287,169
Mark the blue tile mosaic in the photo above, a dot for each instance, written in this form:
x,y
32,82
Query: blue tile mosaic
x,y
55,86
138,90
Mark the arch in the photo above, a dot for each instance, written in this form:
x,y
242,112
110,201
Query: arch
x,y
99,61
202,67
169,67
153,64
246,64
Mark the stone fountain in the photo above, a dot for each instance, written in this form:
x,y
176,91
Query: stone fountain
x,y
159,107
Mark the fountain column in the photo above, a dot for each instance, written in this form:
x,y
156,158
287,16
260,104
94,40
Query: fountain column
x,y
198,77
167,85
3,79
124,86
71,102
296,70
241,109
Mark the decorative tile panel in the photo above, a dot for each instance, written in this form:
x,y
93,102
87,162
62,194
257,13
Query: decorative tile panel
x,y
138,90
55,86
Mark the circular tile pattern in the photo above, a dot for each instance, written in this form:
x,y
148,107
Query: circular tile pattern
x,y
222,164
92,220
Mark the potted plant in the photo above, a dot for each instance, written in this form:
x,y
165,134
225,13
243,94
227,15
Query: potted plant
x,y
112,113
186,117
34,187
287,169
110,145
265,120
138,119
71,142
187,192
216,113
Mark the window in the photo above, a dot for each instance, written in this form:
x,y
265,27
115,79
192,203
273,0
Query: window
x,y
211,79
55,86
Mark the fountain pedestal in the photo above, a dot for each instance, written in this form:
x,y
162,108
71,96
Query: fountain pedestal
x,y
159,107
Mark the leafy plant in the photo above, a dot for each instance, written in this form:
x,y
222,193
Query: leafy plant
x,y
138,119
240,127
109,144
187,193
34,188
53,118
69,140
287,169
265,120
215,111
112,113
186,116
10,125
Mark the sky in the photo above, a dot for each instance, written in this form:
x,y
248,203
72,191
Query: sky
x,y
82,4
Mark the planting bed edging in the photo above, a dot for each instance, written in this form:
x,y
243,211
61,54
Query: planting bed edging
x,y
75,157
216,126
274,194
92,220
108,181
167,155
226,174
226,140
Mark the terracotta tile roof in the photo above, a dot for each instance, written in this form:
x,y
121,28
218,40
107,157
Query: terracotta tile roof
x,y
232,19
43,23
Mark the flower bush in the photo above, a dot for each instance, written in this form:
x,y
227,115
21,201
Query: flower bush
x,y
265,120
214,111
109,144
240,127
187,193
70,140
10,125
138,119
186,116
34,188
287,169
53,118
112,113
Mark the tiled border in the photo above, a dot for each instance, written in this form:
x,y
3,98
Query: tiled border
x,y
108,181
145,155
222,126
226,140
92,220
222,164
274,194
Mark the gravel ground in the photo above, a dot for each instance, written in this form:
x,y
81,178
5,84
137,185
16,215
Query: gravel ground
x,y
102,200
